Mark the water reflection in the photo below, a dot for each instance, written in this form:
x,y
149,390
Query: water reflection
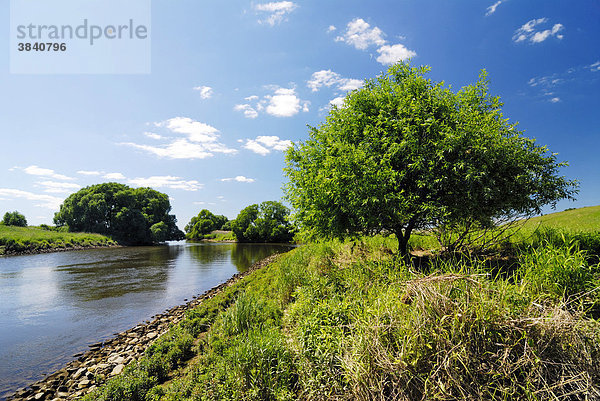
x,y
53,305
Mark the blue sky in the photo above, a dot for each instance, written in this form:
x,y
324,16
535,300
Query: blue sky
x,y
233,83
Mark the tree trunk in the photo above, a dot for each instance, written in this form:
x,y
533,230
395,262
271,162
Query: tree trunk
x,y
403,235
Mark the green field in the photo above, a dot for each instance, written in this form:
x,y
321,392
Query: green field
x,y
350,320
35,239
585,219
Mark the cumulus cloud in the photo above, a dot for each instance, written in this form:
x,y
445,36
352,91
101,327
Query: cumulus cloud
x,y
114,176
45,172
329,78
282,102
88,172
531,31
58,187
206,92
338,101
331,28
393,54
285,103
360,34
492,9
247,109
239,178
200,140
152,135
264,144
166,181
45,201
276,11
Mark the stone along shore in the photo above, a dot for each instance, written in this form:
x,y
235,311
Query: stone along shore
x,y
107,359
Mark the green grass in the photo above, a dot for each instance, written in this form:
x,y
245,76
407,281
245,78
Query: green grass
x,y
349,320
585,219
21,239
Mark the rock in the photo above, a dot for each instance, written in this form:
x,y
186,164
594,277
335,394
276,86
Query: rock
x,y
79,373
83,384
117,370
39,396
151,335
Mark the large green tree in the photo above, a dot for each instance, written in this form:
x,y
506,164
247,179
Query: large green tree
x,y
404,153
267,222
14,219
129,215
204,223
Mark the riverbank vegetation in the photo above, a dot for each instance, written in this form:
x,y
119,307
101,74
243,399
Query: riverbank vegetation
x,y
349,319
15,240
266,222
132,216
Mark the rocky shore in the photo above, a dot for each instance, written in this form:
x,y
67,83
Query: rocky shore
x,y
52,250
107,359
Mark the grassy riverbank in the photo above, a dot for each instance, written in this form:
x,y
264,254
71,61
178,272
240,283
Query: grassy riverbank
x,y
15,240
342,320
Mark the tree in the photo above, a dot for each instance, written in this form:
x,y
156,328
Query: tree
x,y
204,223
267,222
14,219
405,153
131,216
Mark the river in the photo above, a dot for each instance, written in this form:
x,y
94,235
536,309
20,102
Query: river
x,y
54,305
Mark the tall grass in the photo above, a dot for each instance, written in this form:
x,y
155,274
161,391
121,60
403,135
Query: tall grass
x,y
349,320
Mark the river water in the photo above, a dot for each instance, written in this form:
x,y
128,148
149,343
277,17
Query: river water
x,y
54,305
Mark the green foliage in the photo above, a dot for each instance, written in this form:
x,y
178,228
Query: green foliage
x,y
267,222
15,239
405,153
14,219
203,224
125,213
349,320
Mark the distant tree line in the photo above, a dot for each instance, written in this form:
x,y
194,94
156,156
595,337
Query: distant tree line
x,y
265,222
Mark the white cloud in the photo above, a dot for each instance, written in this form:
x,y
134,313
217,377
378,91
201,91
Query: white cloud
x,y
206,92
166,182
86,172
152,135
492,9
338,101
239,178
248,110
58,187
45,172
45,201
555,100
277,11
264,144
285,103
393,54
329,78
529,31
257,147
195,130
595,67
114,176
360,34
201,141
331,28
